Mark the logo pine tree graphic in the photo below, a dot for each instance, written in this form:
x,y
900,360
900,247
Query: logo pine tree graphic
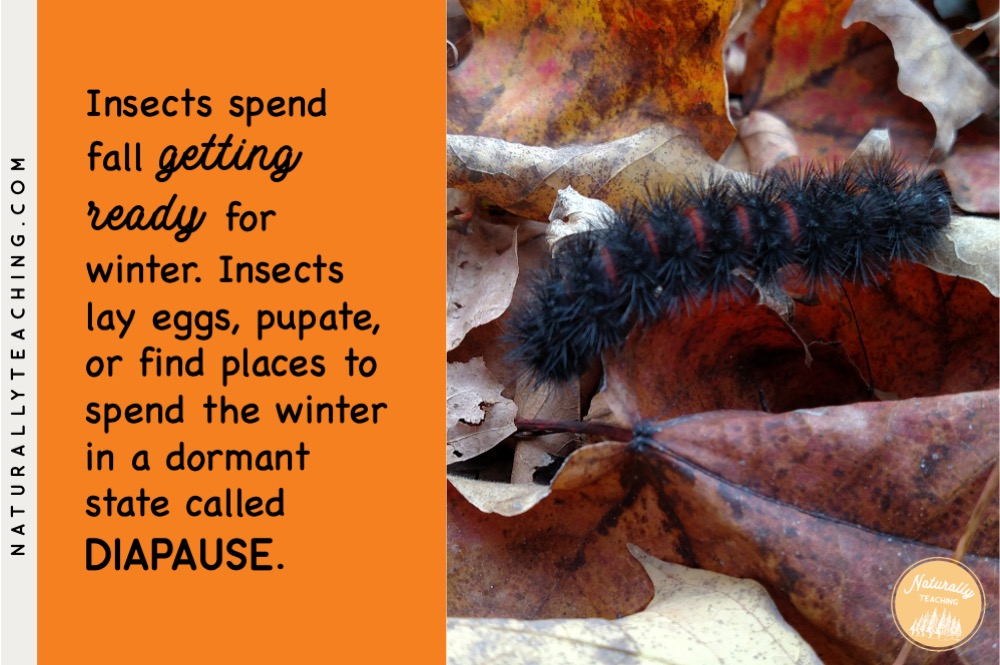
x,y
930,625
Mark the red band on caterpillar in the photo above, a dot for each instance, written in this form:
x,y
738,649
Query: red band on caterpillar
x,y
609,265
744,221
850,222
648,232
791,219
697,225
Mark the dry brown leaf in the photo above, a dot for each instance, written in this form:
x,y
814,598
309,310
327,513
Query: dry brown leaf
x,y
972,169
582,72
767,140
526,179
558,404
824,507
480,280
486,340
917,333
826,83
932,69
971,249
574,213
499,498
478,416
533,454
695,618
831,85
483,344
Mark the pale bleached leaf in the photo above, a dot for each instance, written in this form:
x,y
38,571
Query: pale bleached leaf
x,y
695,618
480,278
478,416
932,68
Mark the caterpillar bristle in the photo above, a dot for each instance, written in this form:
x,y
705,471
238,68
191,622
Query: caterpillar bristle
x,y
637,269
804,193
664,256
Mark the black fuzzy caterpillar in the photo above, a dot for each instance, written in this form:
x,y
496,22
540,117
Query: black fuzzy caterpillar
x,y
847,222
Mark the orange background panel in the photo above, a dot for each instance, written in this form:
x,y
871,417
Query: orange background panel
x,y
362,539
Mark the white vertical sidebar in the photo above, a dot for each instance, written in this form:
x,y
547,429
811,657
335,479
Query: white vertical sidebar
x,y
19,274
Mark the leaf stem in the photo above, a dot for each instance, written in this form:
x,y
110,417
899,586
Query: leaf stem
x,y
978,512
600,430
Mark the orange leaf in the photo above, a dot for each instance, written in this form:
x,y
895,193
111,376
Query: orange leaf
x,y
923,334
555,73
825,508
829,84
932,68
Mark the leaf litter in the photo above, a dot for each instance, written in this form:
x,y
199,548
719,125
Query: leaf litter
x,y
823,505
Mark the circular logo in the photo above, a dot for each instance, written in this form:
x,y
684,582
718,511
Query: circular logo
x,y
938,604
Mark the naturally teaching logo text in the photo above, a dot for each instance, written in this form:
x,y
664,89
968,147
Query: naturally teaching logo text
x,y
938,604
921,582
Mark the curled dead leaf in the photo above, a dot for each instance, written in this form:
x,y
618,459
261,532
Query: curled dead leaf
x,y
973,170
695,617
573,213
767,140
499,498
932,68
478,416
828,84
825,508
557,403
970,248
480,280
525,179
